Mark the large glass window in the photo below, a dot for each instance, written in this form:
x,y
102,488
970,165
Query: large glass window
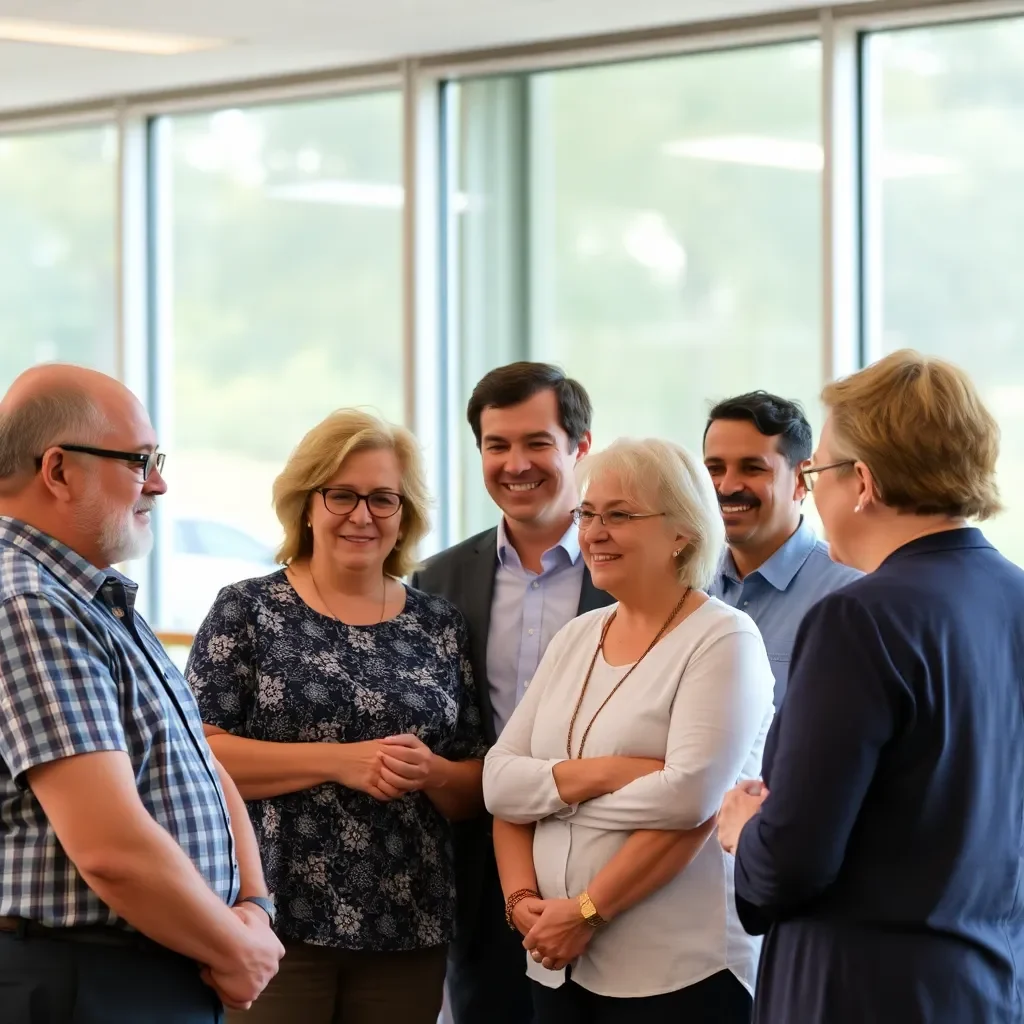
x,y
945,216
654,227
279,280
57,246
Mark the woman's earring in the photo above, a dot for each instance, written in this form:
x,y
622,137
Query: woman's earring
x,y
858,508
675,554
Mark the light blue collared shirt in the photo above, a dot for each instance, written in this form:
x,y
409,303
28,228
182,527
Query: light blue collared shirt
x,y
527,610
779,593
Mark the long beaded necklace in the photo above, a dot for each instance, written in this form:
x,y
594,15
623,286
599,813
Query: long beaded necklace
x,y
629,672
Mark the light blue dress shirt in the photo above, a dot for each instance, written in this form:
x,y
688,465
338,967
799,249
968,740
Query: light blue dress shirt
x,y
778,594
527,610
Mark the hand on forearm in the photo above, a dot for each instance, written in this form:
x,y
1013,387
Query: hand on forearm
x,y
582,779
647,861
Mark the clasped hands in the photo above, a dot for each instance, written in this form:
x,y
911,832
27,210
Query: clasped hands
x,y
741,803
388,769
240,979
555,932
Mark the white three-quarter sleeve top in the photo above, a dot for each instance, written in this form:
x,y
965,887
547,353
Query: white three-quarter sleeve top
x,y
702,701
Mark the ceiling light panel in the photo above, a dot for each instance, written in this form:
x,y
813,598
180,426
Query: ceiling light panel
x,y
94,37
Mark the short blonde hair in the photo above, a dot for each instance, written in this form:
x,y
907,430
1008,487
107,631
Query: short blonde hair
x,y
319,456
920,426
665,477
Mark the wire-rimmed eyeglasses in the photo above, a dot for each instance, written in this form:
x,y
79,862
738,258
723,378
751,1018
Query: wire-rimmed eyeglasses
x,y
810,474
585,517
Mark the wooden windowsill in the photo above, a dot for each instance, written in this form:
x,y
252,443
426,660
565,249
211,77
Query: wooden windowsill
x,y
169,639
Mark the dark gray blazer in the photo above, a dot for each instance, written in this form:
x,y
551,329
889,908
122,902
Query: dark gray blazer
x,y
464,574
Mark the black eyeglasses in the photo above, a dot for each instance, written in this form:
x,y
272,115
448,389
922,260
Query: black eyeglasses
x,y
147,460
343,502
810,474
585,518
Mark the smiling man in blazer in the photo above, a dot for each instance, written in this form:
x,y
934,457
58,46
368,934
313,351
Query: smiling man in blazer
x,y
517,584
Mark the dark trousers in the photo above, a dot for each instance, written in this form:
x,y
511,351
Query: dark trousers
x,y
47,981
487,981
317,985
720,999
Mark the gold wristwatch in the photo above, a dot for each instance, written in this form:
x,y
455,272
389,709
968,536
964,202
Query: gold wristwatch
x,y
589,911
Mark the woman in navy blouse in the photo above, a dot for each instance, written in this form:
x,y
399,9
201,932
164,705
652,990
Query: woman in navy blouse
x,y
884,857
342,704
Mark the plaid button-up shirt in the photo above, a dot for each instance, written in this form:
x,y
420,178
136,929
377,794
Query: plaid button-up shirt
x,y
81,672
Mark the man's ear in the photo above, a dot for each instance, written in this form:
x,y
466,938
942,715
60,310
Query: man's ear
x,y
53,472
583,448
800,490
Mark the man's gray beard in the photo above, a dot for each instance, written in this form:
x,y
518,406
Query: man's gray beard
x,y
127,541
120,540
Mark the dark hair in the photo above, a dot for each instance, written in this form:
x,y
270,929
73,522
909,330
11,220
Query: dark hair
x,y
773,417
517,382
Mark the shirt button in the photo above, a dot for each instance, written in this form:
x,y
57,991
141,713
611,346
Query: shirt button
x,y
119,612
531,632
526,685
535,584
745,603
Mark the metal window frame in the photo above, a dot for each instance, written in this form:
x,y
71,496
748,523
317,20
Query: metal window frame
x,y
427,353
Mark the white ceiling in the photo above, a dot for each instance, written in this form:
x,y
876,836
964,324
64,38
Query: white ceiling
x,y
280,37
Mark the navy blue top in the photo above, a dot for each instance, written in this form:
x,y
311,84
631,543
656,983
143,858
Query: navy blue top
x,y
886,863
346,870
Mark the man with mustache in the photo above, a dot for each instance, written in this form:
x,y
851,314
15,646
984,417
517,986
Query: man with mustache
x,y
517,584
130,880
775,568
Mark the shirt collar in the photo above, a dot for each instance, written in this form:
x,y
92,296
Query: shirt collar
x,y
570,544
66,566
782,566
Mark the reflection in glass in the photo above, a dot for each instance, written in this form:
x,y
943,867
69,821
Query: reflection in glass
x,y
57,245
945,216
279,300
654,227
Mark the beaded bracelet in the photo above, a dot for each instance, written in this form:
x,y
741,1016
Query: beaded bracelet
x,y
516,898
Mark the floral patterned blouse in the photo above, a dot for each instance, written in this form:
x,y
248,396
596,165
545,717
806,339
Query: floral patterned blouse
x,y
345,869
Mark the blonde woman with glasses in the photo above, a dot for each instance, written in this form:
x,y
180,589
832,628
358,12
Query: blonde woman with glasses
x,y
342,704
606,781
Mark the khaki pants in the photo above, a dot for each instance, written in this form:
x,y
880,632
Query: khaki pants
x,y
339,986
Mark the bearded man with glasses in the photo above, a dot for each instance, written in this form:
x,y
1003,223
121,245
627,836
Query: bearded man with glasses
x,y
130,879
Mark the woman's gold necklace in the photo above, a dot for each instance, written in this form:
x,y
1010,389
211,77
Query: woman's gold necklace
x,y
323,601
